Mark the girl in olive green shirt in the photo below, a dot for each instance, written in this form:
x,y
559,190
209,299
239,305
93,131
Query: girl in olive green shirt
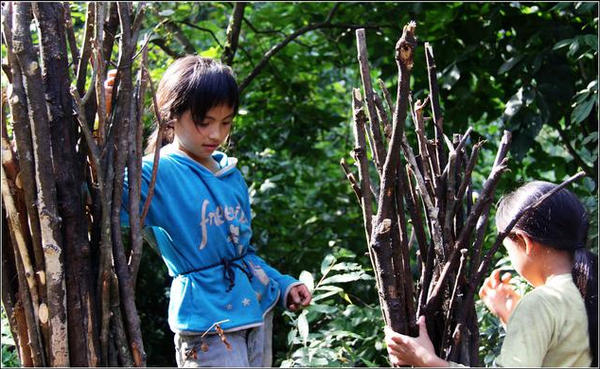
x,y
556,324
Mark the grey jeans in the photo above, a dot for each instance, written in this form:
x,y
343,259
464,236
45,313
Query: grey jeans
x,y
249,347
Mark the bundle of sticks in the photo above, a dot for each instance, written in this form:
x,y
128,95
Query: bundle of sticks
x,y
429,192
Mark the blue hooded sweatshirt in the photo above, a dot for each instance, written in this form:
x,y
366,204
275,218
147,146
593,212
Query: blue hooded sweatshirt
x,y
202,225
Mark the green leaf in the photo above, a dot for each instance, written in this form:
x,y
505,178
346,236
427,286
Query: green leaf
x,y
509,64
591,137
562,43
324,309
212,52
450,77
347,266
303,326
307,278
582,110
592,41
514,104
326,263
573,48
344,278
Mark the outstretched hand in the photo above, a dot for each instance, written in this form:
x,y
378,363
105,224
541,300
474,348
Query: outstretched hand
x,y
299,296
413,351
499,295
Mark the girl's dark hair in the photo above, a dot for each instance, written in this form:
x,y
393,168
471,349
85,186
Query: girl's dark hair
x,y
560,222
195,83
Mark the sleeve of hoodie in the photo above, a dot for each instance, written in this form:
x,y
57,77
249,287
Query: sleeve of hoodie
x,y
285,281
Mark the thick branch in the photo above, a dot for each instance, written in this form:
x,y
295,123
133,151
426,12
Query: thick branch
x,y
233,33
404,59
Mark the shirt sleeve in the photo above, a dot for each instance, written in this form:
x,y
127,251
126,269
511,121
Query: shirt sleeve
x,y
285,281
528,333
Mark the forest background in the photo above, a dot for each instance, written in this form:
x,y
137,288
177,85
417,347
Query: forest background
x,y
530,68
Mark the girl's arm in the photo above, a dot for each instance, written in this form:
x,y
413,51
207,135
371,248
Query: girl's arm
x,y
412,351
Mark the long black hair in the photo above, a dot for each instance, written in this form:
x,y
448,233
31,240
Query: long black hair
x,y
197,84
560,222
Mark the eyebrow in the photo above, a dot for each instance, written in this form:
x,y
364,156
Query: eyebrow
x,y
213,118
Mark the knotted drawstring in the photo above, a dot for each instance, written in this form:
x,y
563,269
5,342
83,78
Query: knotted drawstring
x,y
228,270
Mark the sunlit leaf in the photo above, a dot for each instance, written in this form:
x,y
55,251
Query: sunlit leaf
x,y
307,279
303,326
509,64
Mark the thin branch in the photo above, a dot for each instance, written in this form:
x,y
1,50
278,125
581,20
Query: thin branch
x,y
275,49
360,156
215,38
188,47
352,180
86,48
375,139
71,36
161,129
435,104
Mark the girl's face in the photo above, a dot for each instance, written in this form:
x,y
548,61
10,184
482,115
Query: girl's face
x,y
200,141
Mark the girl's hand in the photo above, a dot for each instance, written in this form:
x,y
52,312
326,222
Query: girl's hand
x,y
499,295
299,296
108,88
412,351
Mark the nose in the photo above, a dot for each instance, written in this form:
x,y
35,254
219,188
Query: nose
x,y
214,133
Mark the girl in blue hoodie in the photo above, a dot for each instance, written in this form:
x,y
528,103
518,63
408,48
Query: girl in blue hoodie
x,y
200,217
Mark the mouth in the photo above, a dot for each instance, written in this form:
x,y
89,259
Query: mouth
x,y
211,147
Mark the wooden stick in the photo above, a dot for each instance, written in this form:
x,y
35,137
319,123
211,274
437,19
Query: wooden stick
x,y
386,95
360,156
435,104
375,133
50,221
162,125
124,101
71,37
23,262
404,59
86,47
352,181
22,136
481,226
134,163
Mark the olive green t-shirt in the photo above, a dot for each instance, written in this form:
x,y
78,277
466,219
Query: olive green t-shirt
x,y
549,327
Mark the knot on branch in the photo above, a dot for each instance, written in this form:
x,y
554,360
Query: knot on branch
x,y
406,45
357,153
385,226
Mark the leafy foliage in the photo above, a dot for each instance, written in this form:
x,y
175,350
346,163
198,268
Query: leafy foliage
x,y
10,358
337,328
527,67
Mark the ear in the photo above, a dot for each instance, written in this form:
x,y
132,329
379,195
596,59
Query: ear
x,y
529,245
